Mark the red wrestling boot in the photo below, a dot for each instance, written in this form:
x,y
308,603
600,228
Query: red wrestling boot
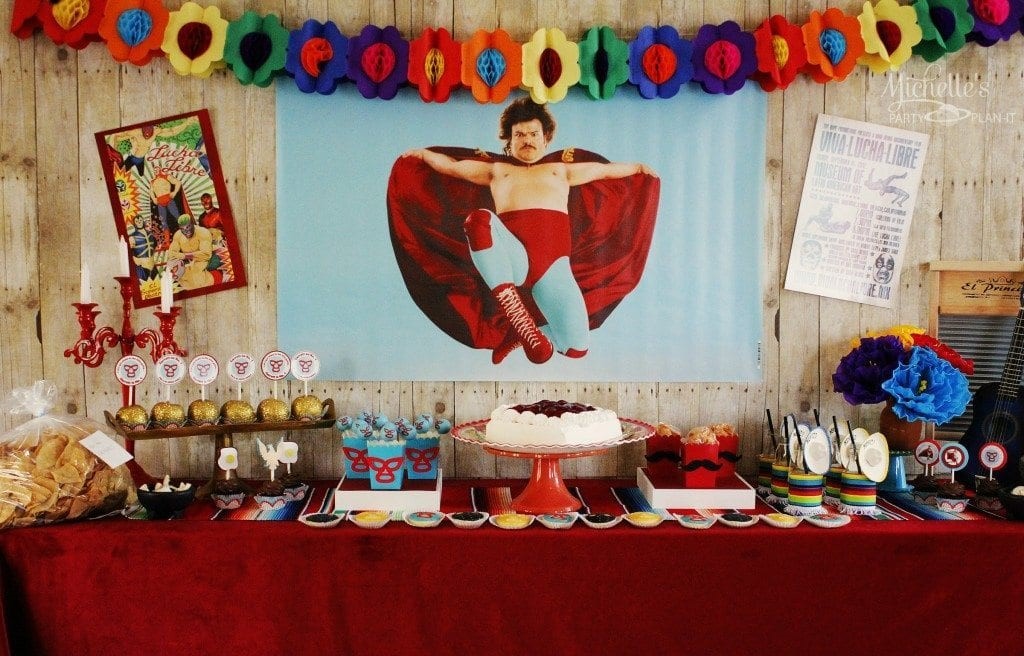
x,y
538,348
508,344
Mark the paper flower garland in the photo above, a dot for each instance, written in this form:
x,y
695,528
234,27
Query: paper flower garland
x,y
134,30
66,22
194,40
604,62
317,57
550,65
995,20
378,61
256,48
890,32
834,44
944,27
659,61
723,57
492,65
435,64
781,53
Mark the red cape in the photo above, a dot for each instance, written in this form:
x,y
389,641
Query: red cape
x,y
612,225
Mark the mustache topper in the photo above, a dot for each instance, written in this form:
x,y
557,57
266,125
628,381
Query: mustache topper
x,y
694,465
657,456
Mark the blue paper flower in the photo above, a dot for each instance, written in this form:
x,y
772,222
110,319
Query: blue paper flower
x,y
927,388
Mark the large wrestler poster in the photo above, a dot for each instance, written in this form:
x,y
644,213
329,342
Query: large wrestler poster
x,y
581,241
171,206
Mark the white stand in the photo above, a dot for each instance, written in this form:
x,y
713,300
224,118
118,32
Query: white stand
x,y
415,495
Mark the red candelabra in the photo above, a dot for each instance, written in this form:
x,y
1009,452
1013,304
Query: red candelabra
x,y
92,344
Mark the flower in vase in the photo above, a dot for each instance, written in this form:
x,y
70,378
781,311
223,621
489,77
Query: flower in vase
x,y
927,388
945,352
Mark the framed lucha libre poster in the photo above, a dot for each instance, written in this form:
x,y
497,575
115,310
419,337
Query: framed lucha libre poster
x,y
170,205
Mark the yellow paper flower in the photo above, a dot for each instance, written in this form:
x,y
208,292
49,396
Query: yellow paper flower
x,y
890,32
194,40
905,332
551,64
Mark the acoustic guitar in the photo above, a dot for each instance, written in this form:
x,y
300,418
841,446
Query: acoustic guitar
x,y
999,413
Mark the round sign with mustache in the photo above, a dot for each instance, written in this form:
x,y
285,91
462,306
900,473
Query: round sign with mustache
x,y
170,369
130,370
203,369
241,367
276,365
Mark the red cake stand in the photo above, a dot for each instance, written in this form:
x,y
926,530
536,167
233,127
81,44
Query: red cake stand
x,y
546,492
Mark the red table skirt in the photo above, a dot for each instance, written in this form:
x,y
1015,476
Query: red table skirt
x,y
243,587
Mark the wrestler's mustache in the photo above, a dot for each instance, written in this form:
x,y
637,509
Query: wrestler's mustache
x,y
729,455
663,455
694,465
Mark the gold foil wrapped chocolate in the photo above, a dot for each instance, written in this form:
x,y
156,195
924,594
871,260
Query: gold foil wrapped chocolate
x,y
237,411
168,415
203,412
133,417
307,408
272,410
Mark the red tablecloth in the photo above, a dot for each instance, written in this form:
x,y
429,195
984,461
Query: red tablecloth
x,y
242,587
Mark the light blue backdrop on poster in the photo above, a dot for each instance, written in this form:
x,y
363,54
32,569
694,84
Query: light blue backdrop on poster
x,y
695,316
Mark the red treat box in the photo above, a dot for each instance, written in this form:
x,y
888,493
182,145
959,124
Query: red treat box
x,y
663,452
728,455
700,465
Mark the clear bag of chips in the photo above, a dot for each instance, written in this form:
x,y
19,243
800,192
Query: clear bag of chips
x,y
45,474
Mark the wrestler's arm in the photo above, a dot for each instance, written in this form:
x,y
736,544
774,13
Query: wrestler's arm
x,y
466,169
585,172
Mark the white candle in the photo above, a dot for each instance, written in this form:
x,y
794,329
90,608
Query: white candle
x,y
166,292
85,292
122,254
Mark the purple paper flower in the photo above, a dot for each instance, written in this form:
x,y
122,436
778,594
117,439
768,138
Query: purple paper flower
x,y
378,61
995,20
317,57
927,388
659,61
862,371
724,56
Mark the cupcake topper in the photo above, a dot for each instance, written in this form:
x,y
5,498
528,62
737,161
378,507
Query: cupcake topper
x,y
130,371
305,367
927,454
954,455
288,452
170,370
275,366
993,455
241,367
271,457
228,460
203,370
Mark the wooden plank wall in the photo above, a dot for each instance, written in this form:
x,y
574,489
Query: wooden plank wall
x,y
55,215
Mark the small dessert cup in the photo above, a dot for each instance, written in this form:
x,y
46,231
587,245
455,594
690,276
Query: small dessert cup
x,y
700,465
422,457
468,519
357,465
387,463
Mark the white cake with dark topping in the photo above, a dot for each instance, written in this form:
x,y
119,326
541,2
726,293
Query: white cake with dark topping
x,y
553,423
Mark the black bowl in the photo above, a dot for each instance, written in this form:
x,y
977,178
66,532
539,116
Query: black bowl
x,y
164,505
1014,504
